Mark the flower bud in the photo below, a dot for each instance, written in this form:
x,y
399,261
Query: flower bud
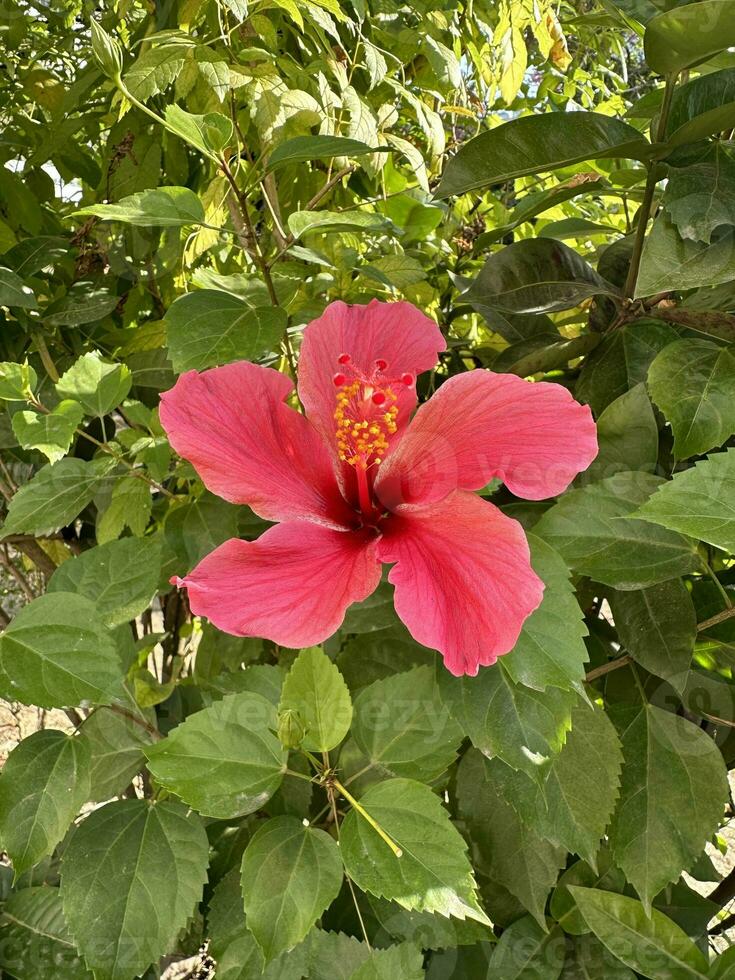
x,y
291,729
107,51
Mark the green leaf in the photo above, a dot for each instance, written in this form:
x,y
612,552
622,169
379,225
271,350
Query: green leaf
x,y
699,195
14,292
537,275
130,506
303,222
649,943
702,107
402,725
131,876
56,653
509,852
670,262
588,959
116,742
210,133
563,907
433,873
693,383
522,727
582,785
96,384
550,651
302,148
53,497
683,37
620,362
156,69
290,875
208,327
52,433
83,303
315,690
526,951
627,435
537,143
575,228
598,532
120,577
17,381
672,795
161,207
35,939
43,785
698,501
404,961
658,628
224,761
233,945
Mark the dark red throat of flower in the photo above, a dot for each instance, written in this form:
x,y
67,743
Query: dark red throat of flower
x,y
365,416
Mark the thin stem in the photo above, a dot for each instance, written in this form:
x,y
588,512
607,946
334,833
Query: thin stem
x,y
366,816
715,620
298,775
118,709
721,588
335,815
607,668
644,212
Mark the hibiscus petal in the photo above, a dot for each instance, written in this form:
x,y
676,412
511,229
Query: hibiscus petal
x,y
291,586
397,333
463,578
481,425
249,447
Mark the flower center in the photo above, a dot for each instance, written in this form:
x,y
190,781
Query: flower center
x,y
366,411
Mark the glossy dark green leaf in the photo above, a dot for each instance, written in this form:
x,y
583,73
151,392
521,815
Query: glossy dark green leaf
x,y
683,37
14,292
536,275
522,727
538,143
658,628
620,362
526,949
702,107
116,742
698,501
699,195
508,851
673,792
670,262
34,938
302,148
208,327
550,651
651,944
693,383
598,532
627,435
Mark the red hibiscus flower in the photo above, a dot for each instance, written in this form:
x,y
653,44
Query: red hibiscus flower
x,y
357,482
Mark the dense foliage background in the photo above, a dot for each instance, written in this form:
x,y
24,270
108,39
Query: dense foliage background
x,y
188,183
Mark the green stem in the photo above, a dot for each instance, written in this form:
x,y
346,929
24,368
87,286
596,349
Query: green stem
x,y
721,588
366,816
644,212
